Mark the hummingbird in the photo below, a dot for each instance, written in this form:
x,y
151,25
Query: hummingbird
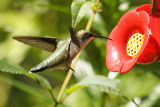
x,y
63,51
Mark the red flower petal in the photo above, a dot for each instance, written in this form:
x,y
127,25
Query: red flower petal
x,y
145,7
132,22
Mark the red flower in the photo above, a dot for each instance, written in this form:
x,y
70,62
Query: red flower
x,y
135,39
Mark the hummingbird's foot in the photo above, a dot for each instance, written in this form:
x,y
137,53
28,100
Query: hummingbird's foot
x,y
69,69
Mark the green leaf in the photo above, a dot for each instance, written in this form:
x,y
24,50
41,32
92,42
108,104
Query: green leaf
x,y
41,81
24,87
4,67
102,83
79,10
74,88
75,7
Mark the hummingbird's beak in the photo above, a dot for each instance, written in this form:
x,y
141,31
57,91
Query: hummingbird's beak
x,y
98,36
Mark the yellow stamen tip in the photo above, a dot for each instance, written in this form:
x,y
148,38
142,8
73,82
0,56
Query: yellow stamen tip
x,y
134,44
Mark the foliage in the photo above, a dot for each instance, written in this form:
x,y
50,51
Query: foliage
x,y
78,10
4,67
101,82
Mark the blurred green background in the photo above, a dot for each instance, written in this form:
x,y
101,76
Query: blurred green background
x,y
52,18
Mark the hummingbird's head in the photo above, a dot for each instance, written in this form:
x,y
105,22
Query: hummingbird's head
x,y
85,37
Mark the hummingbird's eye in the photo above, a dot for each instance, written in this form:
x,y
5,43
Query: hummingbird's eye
x,y
86,35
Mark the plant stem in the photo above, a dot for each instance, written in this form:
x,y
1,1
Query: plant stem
x,y
69,75
53,98
89,24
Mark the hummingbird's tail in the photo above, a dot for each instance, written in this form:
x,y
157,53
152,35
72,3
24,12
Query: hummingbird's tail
x,y
38,68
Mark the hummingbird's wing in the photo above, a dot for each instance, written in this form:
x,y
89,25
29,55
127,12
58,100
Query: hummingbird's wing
x,y
45,43
74,38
